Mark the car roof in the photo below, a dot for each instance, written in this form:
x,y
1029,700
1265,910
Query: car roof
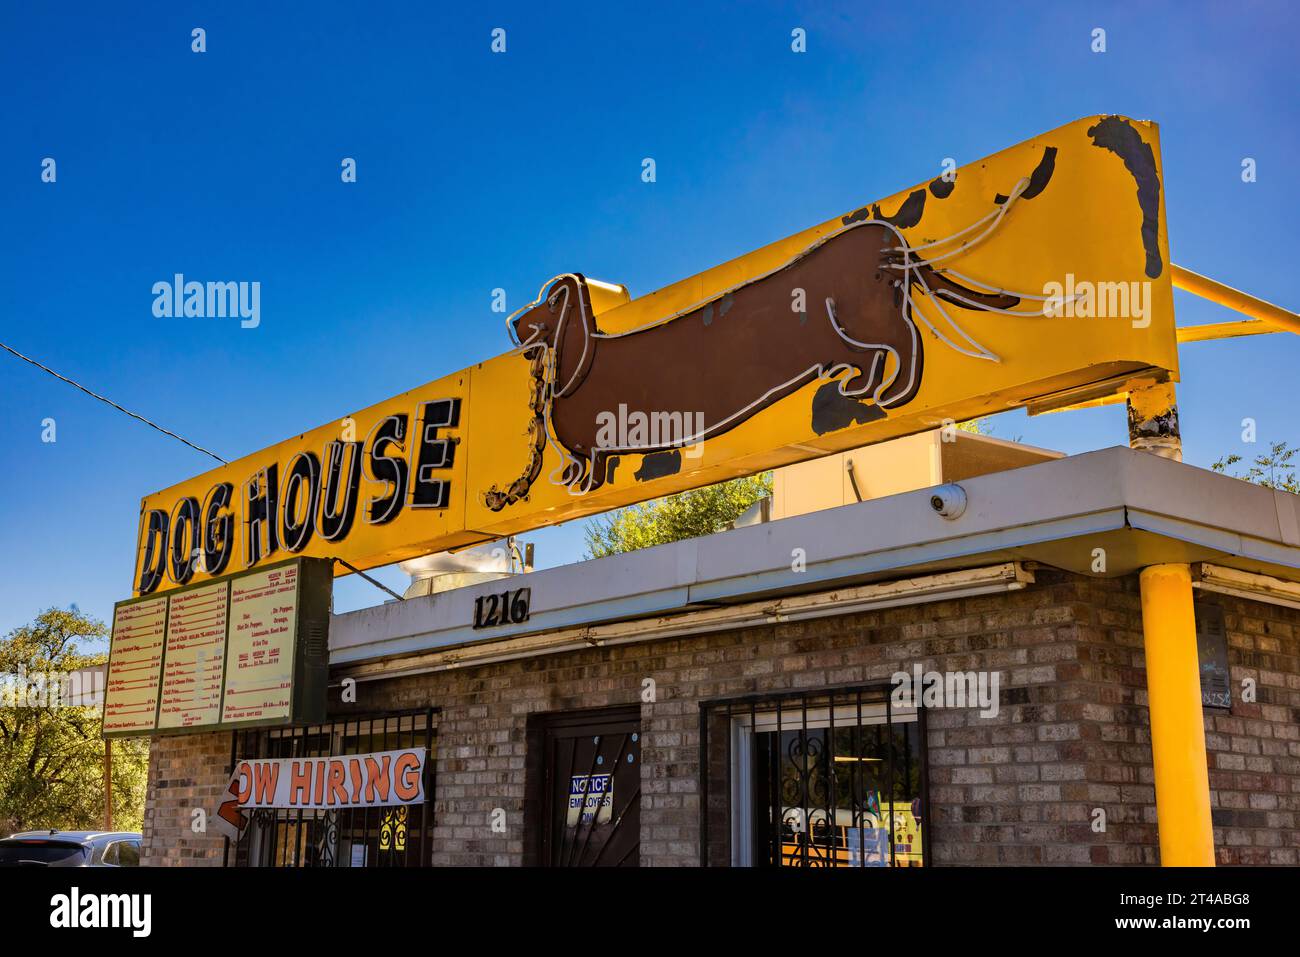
x,y
81,837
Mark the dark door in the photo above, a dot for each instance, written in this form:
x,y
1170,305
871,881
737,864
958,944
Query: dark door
x,y
591,814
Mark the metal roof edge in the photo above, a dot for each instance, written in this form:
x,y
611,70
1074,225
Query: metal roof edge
x,y
1006,516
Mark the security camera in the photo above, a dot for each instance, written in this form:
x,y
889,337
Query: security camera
x,y
949,500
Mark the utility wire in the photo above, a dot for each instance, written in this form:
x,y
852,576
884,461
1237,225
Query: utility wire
x,y
377,584
96,395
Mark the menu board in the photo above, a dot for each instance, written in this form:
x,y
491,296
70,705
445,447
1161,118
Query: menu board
x,y
134,665
195,659
241,650
260,648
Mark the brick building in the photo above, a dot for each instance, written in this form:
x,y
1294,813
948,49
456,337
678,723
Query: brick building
x,y
732,700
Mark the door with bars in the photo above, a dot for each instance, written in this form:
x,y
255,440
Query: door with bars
x,y
591,801
816,779
397,836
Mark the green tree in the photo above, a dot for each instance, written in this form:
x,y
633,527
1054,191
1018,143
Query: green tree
x,y
1273,470
52,755
700,511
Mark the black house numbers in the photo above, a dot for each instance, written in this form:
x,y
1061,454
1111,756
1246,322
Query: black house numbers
x,y
506,608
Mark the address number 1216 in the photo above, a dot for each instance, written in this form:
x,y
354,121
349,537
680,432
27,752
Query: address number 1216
x,y
507,608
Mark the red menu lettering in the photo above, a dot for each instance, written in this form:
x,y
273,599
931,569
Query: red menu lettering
x,y
260,646
135,662
196,652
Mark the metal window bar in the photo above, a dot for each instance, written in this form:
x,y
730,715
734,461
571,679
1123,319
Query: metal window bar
x,y
795,743
317,836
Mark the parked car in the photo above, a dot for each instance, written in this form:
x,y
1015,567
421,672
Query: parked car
x,y
71,849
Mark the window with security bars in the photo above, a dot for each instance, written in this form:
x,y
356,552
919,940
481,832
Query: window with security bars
x,y
833,778
398,836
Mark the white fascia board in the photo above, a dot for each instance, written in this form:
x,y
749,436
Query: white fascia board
x,y
1159,486
1233,581
1007,515
1218,539
1003,543
1015,500
995,579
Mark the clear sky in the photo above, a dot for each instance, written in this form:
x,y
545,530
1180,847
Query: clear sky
x,y
478,171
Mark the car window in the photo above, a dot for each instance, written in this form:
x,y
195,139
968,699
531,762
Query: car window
x,y
128,854
51,853
110,853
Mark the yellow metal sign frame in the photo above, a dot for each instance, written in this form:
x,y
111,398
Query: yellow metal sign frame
x,y
1036,274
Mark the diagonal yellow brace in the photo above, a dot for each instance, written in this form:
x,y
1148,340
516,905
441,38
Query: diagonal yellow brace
x,y
1225,330
1269,318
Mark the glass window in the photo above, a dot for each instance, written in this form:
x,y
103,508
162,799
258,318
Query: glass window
x,y
823,779
128,854
51,853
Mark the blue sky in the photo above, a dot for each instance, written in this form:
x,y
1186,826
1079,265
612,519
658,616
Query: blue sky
x,y
478,171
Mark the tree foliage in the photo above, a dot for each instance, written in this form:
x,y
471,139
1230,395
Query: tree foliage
x,y
52,758
1272,470
700,511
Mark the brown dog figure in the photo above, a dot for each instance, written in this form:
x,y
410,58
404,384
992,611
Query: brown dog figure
x,y
724,360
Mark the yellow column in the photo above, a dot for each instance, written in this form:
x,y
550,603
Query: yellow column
x,y
1177,728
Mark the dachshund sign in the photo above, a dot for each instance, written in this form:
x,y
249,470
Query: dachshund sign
x,y
1035,276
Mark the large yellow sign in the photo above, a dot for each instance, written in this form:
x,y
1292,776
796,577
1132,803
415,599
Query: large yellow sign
x,y
1036,275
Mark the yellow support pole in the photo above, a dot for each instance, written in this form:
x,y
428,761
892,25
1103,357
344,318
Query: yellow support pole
x,y
1280,319
1153,418
1225,330
1177,728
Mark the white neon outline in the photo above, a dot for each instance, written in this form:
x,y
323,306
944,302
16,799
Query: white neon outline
x,y
417,472
209,519
559,333
971,304
398,501
263,478
817,372
972,281
196,536
309,522
997,216
354,492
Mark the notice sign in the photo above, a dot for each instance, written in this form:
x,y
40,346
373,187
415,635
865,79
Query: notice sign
x,y
591,798
379,779
259,654
868,847
195,658
134,666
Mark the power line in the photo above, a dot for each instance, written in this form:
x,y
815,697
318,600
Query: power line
x,y
377,584
96,395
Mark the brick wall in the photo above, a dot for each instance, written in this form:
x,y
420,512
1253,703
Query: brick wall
x,y
185,772
1254,751
1023,787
